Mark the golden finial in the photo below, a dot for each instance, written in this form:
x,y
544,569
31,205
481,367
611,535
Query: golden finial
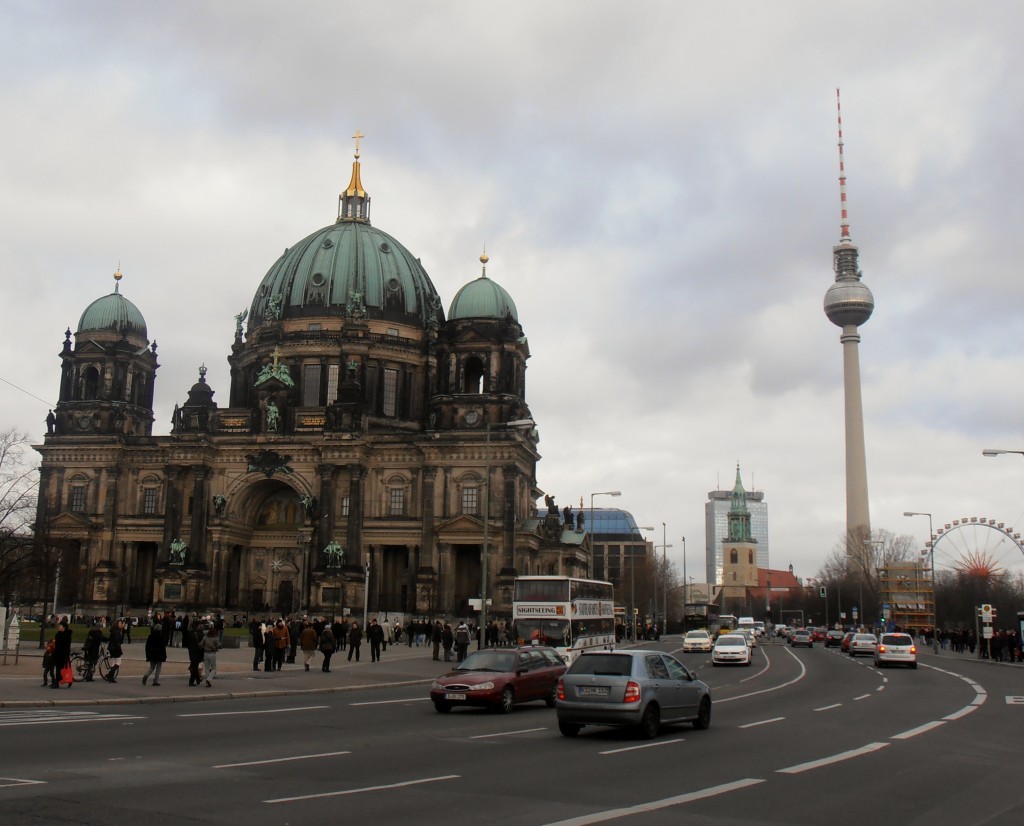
x,y
118,275
484,258
276,354
358,137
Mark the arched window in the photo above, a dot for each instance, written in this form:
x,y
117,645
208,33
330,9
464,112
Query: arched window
x,y
733,557
750,557
90,382
473,375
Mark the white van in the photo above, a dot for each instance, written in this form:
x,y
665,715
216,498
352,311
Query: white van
x,y
745,623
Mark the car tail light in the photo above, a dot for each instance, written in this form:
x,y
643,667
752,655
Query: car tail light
x,y
560,691
632,694
913,649
881,649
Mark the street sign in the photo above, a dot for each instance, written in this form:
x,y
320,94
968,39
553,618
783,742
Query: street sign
x,y
854,611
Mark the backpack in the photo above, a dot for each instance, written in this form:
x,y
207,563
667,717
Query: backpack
x,y
462,635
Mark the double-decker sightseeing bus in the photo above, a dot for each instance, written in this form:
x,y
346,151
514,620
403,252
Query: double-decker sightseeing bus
x,y
567,613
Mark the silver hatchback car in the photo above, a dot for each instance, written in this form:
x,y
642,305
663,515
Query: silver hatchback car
x,y
630,687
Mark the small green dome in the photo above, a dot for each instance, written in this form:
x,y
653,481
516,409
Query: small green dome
x,y
482,298
113,312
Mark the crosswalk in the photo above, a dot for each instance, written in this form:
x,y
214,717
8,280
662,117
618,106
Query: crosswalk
x,y
52,716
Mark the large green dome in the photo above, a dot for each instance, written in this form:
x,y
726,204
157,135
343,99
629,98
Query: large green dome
x,y
113,312
482,298
342,267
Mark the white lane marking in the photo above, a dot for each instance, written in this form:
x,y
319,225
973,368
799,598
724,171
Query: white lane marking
x,y
829,708
880,688
979,699
7,782
906,735
390,702
798,678
263,711
644,746
507,733
768,664
956,715
835,758
1014,700
763,722
280,759
344,792
654,805
45,717
861,697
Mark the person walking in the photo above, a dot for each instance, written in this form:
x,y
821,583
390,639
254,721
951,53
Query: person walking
x,y
115,650
210,646
375,634
447,641
308,643
269,645
281,641
462,638
326,648
49,672
256,632
340,631
193,639
435,638
91,650
61,653
156,654
355,639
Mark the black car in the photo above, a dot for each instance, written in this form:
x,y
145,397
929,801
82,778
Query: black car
x,y
834,637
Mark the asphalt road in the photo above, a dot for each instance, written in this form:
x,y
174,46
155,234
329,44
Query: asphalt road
x,y
800,737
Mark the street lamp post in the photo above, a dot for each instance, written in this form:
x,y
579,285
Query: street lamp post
x,y
487,520
684,585
664,580
632,582
590,564
931,548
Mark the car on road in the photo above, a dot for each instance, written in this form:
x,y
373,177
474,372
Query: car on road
x,y
819,634
863,644
833,637
896,649
630,687
696,641
845,644
750,635
500,678
731,649
802,636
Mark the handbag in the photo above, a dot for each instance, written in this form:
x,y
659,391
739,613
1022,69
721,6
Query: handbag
x,y
67,675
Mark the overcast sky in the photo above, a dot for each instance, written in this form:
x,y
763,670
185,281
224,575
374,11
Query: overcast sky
x,y
656,186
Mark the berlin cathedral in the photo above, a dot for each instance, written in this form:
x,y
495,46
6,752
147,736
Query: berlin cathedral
x,y
371,448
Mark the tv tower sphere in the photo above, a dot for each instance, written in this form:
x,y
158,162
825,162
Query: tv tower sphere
x,y
849,301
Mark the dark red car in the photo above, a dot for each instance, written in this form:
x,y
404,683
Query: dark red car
x,y
500,678
819,634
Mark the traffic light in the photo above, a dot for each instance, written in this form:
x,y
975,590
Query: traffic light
x,y
822,592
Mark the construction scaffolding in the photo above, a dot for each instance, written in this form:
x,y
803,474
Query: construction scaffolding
x,y
908,591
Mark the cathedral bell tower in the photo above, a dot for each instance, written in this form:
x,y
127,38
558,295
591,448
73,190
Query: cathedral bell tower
x,y
739,557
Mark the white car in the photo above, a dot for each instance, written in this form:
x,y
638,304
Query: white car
x,y
750,635
896,649
731,649
863,644
696,641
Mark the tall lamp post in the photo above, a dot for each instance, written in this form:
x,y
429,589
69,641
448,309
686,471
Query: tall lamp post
x,y
664,580
516,423
931,548
590,565
684,584
632,582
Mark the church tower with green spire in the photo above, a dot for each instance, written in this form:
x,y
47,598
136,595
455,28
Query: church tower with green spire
x,y
739,571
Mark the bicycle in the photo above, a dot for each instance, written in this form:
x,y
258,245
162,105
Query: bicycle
x,y
83,670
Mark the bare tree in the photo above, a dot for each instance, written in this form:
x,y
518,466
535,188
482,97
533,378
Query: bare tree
x,y
18,487
856,567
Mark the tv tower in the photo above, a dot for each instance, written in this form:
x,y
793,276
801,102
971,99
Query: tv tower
x,y
848,304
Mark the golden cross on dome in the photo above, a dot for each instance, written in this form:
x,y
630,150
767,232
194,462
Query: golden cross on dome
x,y
358,137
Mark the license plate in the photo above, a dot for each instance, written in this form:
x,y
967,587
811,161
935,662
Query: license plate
x,y
592,691
450,696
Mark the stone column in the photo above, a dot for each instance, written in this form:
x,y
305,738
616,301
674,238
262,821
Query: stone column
x,y
354,548
325,528
200,514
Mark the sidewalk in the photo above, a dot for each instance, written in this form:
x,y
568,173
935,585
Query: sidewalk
x,y
21,683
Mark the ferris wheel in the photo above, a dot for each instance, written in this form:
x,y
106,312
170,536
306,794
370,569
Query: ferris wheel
x,y
978,545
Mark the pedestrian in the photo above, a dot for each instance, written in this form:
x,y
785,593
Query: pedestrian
x,y
62,653
269,646
447,641
462,639
128,629
375,634
115,650
326,648
156,653
281,641
340,631
210,646
193,640
294,630
308,643
435,638
91,650
355,639
49,672
389,635
256,633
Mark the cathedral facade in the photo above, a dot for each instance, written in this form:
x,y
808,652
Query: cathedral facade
x,y
370,448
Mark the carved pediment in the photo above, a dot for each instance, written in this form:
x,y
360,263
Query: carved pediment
x,y
461,525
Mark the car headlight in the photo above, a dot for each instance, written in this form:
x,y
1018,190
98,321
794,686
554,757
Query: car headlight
x,y
436,686
482,687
